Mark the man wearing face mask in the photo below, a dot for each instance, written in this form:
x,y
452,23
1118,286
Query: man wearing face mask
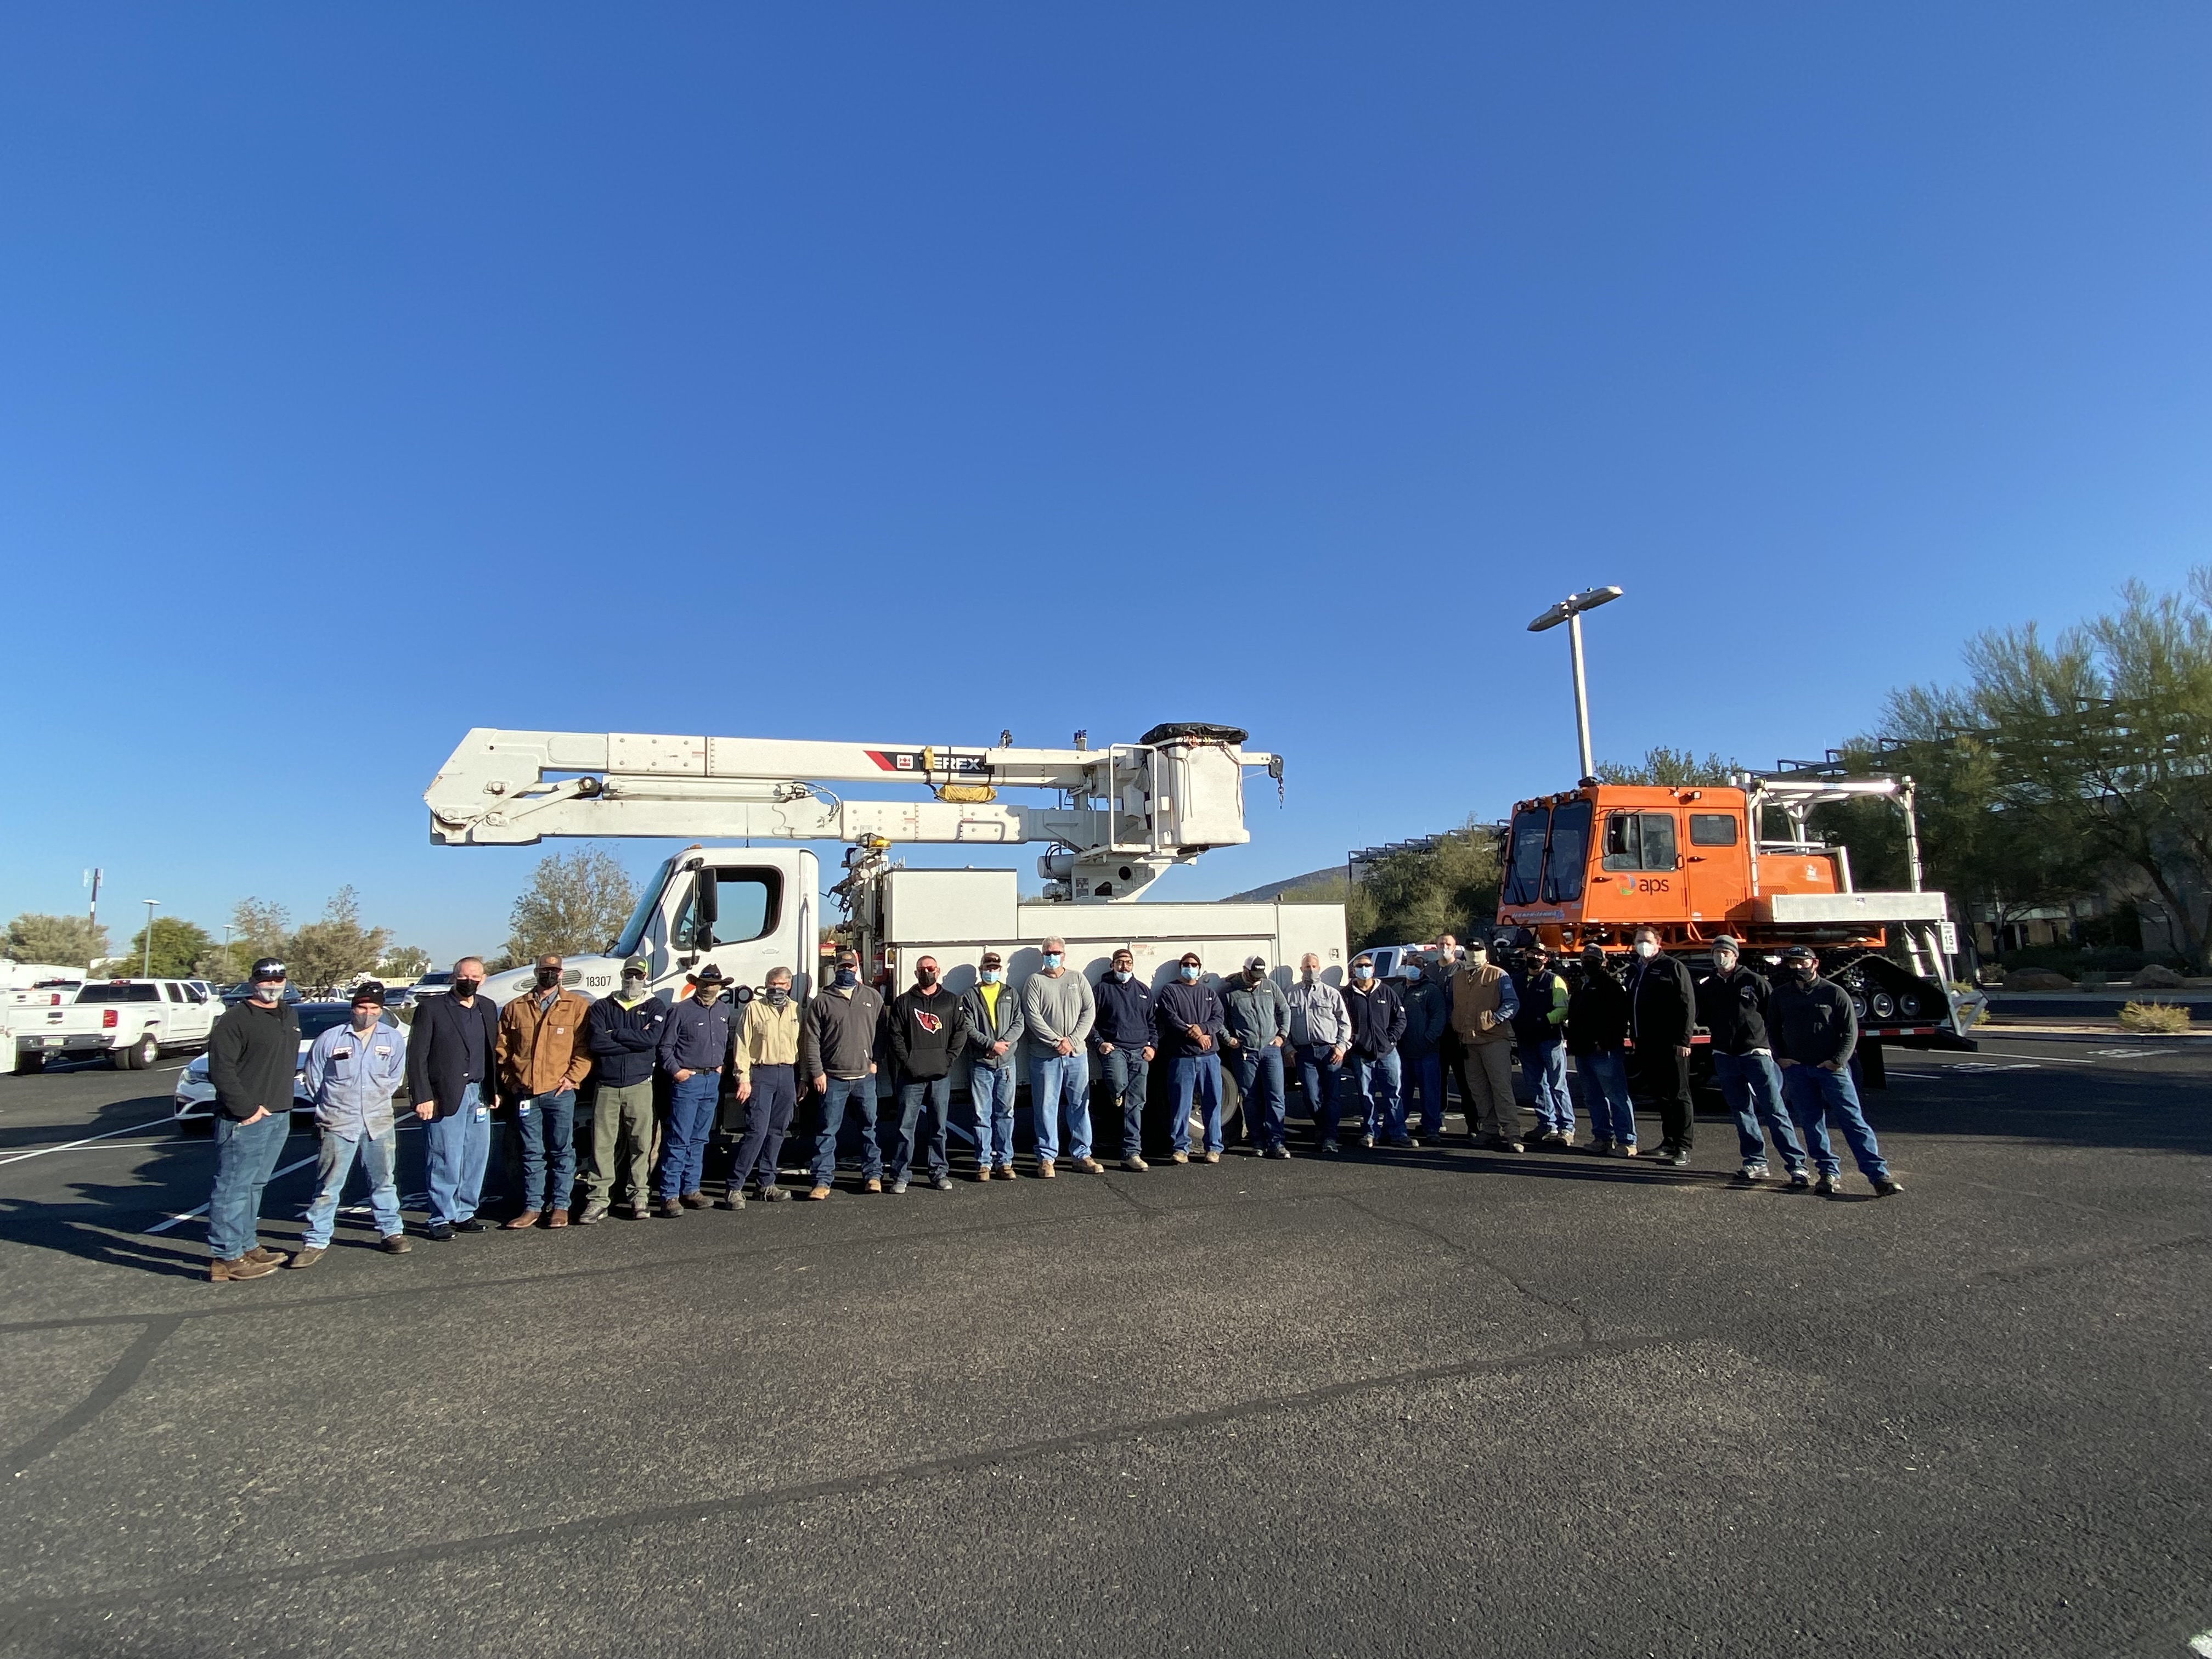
x,y
1321,1031
765,1058
1662,1013
542,1060
838,1034
1484,1006
695,1046
451,1054
1452,1053
1057,1014
1189,1017
925,1035
992,1034
622,1033
1732,1007
1123,1034
1256,1024
1539,1035
1428,1017
352,1072
1378,1021
251,1056
1597,1032
1814,1030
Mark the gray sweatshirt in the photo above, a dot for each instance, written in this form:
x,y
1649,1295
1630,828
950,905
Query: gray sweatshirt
x,y
1057,1008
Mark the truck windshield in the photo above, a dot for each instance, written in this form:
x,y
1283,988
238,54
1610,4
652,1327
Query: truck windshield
x,y
1570,853
1524,868
647,896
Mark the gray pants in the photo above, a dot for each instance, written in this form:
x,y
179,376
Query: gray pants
x,y
1491,1108
621,1110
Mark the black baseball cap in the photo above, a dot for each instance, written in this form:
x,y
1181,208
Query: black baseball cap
x,y
268,967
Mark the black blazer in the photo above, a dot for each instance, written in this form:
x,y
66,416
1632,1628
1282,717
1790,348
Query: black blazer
x,y
437,1051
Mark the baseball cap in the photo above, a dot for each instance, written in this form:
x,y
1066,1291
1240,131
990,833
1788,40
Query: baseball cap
x,y
639,966
992,959
368,992
1261,962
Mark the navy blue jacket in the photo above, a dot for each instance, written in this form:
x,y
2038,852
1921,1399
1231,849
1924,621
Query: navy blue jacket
x,y
1179,1006
623,1042
1125,1013
697,1037
438,1052
1378,1019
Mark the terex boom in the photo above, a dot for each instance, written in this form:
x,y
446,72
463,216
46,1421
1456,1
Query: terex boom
x,y
1591,865
1123,814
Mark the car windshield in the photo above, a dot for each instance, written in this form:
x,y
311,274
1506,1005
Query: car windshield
x,y
1525,866
314,1022
120,994
648,896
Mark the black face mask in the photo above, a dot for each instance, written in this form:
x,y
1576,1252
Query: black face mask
x,y
926,978
465,988
548,978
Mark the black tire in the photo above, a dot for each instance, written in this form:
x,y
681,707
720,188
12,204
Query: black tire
x,y
196,1127
29,1062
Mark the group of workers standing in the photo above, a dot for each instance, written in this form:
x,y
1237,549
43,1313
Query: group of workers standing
x,y
1367,1053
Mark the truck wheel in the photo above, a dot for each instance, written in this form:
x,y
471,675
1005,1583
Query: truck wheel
x,y
30,1061
139,1055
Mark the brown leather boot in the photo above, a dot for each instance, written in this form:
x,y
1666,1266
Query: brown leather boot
x,y
527,1218
244,1266
262,1253
558,1218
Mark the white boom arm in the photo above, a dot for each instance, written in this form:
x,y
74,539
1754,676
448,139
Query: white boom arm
x,y
1129,811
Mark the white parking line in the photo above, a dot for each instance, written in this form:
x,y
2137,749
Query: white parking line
x,y
164,1226
17,1158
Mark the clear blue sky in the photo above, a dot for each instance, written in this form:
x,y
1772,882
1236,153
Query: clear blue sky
x,y
901,372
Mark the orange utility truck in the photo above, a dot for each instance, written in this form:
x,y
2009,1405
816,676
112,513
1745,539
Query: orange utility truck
x,y
1591,865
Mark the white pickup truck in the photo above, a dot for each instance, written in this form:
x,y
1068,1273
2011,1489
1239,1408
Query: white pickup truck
x,y
134,1021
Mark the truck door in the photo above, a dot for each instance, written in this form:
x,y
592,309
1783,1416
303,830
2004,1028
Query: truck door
x,y
1717,866
1642,867
742,917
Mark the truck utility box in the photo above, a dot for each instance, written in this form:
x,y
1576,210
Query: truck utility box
x,y
949,907
1871,908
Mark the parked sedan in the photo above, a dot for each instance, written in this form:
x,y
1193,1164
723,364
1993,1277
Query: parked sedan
x,y
195,1099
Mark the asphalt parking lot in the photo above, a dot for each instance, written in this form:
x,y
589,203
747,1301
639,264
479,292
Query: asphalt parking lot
x,y
1442,1402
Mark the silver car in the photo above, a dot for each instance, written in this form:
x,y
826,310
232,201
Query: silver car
x,y
195,1098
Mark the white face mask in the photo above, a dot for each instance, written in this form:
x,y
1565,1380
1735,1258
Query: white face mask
x,y
1647,948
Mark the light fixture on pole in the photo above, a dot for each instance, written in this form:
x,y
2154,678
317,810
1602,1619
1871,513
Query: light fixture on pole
x,y
146,959
1569,612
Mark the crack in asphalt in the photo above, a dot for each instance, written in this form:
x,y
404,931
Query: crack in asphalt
x,y
122,1376
265,1573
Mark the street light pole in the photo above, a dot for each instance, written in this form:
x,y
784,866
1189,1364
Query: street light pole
x,y
1569,612
146,957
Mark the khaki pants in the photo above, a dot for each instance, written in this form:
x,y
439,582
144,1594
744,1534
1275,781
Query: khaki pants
x,y
621,1111
1491,1108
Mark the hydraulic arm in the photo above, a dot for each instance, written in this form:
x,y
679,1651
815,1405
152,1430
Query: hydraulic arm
x,y
1126,812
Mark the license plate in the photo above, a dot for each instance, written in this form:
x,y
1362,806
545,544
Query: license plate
x,y
55,1041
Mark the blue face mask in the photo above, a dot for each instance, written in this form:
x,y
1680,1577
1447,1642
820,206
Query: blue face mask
x,y
1189,974
1051,960
1122,977
989,977
1364,972
847,978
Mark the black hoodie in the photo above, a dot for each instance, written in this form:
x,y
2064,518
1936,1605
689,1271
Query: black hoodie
x,y
924,1030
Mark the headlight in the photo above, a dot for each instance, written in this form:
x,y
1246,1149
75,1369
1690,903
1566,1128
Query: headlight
x,y
1884,1005
1908,1005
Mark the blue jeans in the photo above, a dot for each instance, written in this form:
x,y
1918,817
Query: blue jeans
x,y
1321,1081
683,1148
1752,1085
768,1120
334,1164
1201,1074
456,1150
991,1101
245,1153
861,1092
1545,1066
934,1095
1604,1079
1813,1094
1061,1083
1259,1076
548,1126
1375,1085
1424,1080
1128,1077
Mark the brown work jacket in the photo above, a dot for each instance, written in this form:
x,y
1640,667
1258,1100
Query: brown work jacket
x,y
1474,997
541,1051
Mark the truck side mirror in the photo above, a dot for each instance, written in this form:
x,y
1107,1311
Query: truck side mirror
x,y
706,907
